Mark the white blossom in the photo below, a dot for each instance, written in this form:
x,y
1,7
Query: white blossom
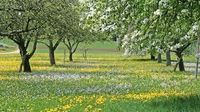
x,y
178,45
195,27
158,12
103,17
19,13
184,11
130,41
127,52
163,3
109,27
145,21
186,37
108,9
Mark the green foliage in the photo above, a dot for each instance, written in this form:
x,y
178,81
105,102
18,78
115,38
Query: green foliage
x,y
162,24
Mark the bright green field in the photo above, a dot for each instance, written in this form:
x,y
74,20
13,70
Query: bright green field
x,y
106,82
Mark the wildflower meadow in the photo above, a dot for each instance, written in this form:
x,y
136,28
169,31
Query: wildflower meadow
x,y
99,55
105,82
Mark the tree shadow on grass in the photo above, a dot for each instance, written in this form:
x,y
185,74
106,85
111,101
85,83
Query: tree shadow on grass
x,y
170,104
178,104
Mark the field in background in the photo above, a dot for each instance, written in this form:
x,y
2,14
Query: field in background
x,y
99,47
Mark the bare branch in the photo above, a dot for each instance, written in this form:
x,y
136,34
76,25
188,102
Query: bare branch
x,y
67,45
12,33
27,43
34,46
28,22
13,39
57,43
76,46
43,43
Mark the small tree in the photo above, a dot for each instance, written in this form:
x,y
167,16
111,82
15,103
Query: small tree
x,y
72,41
52,43
51,37
20,22
69,27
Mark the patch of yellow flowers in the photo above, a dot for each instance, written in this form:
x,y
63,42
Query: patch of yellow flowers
x,y
146,96
8,78
100,100
91,108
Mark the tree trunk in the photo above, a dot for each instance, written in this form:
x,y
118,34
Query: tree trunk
x,y
153,57
119,43
85,54
168,58
52,56
180,62
181,65
159,58
25,65
70,56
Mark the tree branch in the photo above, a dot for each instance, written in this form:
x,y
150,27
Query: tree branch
x,y
34,47
43,43
67,45
13,39
57,43
75,48
27,43
27,25
12,33
185,47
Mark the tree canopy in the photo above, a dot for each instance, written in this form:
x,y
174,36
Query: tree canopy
x,y
150,25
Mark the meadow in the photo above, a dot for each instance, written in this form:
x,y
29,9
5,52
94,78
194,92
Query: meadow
x,y
105,82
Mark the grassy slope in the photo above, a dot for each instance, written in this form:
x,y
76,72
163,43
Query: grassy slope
x,y
105,82
9,46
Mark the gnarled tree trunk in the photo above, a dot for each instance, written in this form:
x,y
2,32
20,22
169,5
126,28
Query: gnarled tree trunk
x,y
180,62
25,60
26,64
179,55
25,56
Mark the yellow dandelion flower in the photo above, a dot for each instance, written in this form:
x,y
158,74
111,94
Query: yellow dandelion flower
x,y
88,108
66,107
79,99
100,100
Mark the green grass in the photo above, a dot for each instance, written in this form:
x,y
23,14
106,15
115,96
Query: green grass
x,y
105,82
